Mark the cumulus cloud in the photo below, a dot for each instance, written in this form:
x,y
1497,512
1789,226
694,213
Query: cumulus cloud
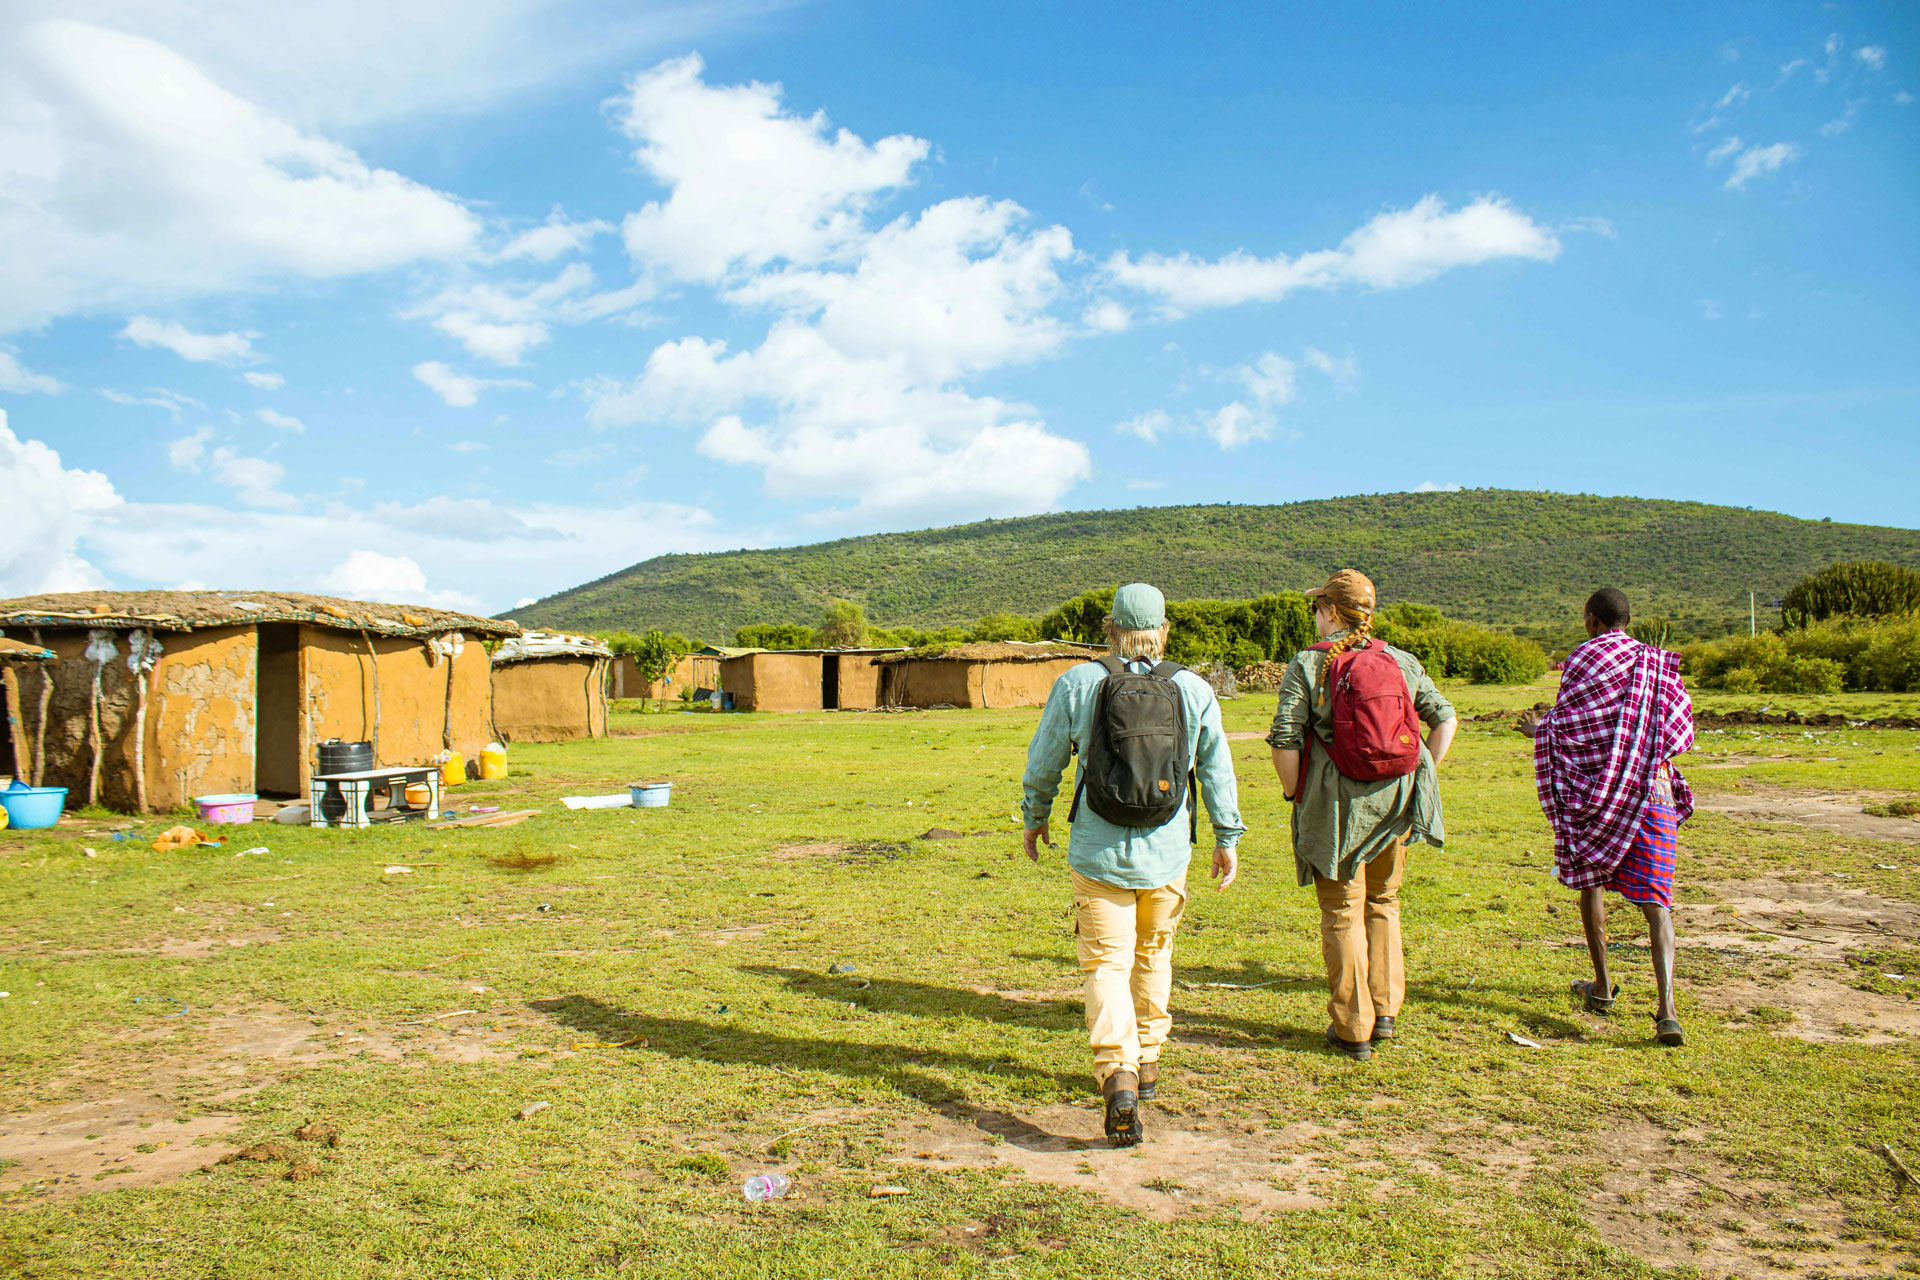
x,y
127,176
457,389
201,348
255,481
49,507
502,321
1872,56
1149,426
20,380
284,421
1428,486
750,183
555,238
1728,148
1392,250
1270,382
1341,369
372,575
264,381
185,453
1758,162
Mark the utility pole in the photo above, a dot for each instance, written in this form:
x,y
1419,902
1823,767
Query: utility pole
x,y
1753,619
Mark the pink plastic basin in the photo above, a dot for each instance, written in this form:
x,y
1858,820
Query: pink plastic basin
x,y
230,810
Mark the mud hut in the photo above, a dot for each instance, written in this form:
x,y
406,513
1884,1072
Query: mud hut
x,y
773,680
856,679
154,697
692,671
1008,673
549,687
16,748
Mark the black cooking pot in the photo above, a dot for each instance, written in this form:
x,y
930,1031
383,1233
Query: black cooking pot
x,y
345,757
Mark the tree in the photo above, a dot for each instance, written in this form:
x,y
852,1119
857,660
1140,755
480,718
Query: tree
x,y
844,626
1853,589
776,635
656,655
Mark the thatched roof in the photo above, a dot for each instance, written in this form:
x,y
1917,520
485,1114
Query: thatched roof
x,y
534,645
1000,651
195,610
21,651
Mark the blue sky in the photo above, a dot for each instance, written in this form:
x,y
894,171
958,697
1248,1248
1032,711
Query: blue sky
x,y
471,303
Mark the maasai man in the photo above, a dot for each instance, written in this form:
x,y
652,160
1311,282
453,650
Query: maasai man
x,y
1603,765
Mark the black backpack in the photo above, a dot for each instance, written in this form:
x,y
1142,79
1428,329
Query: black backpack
x,y
1136,772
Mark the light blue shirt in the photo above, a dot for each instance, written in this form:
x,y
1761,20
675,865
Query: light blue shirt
x,y
1130,857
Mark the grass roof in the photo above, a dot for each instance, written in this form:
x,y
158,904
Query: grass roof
x,y
195,610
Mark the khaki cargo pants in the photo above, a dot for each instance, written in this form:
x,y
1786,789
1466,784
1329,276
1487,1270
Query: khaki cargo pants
x,y
1360,942
1126,962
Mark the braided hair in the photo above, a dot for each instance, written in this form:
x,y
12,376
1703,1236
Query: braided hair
x,y
1359,625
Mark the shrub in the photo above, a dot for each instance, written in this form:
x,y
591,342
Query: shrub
x,y
1891,661
1004,626
844,626
1741,680
1460,650
1803,675
1822,657
777,635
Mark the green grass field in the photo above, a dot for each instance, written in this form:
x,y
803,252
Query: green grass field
x,y
666,982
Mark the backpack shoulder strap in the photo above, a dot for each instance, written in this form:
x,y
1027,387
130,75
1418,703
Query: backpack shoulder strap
x,y
1167,670
1113,664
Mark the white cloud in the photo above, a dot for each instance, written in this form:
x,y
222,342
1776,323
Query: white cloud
x,y
467,446
201,348
255,481
127,177
1832,49
1733,97
264,381
502,321
457,389
1594,224
751,184
284,421
1709,309
1757,162
1904,98
20,380
1872,56
1844,121
49,508
1726,150
173,402
1787,70
75,532
370,575
185,453
1393,250
1149,426
554,238
1342,369
1106,316
1428,486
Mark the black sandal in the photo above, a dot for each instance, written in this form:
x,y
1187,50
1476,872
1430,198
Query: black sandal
x,y
1123,1110
1667,1031
1603,1005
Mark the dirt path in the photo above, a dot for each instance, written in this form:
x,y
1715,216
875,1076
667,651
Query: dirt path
x,y
1836,811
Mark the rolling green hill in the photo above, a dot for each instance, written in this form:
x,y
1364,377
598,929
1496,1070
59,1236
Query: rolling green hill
x,y
1512,559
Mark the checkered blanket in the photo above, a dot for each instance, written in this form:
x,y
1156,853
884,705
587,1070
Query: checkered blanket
x,y
1623,712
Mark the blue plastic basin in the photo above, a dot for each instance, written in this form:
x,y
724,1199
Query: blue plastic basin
x,y
30,808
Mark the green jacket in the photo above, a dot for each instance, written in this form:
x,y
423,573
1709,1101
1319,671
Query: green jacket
x,y
1338,823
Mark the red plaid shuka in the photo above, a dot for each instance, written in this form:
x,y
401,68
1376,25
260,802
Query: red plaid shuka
x,y
1622,713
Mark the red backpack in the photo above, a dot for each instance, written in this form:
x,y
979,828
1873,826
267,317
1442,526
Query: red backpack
x,y
1376,734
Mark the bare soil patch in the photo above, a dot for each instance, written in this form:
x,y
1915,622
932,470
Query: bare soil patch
x,y
1650,1180
95,1143
1178,1170
1838,812
853,849
1809,929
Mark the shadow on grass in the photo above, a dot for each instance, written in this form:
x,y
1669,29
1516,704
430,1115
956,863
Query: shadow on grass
x,y
1065,1015
903,1067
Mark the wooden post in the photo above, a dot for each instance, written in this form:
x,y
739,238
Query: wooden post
x,y
46,704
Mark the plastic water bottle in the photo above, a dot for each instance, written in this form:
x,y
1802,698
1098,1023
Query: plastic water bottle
x,y
766,1186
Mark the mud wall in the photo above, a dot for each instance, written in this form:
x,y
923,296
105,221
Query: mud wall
x,y
550,699
395,692
926,682
859,682
199,722
773,681
1016,684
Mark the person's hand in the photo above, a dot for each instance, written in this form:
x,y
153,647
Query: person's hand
x,y
1528,723
1226,865
1037,836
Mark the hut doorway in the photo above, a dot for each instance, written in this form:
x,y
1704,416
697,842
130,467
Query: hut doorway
x,y
830,681
277,749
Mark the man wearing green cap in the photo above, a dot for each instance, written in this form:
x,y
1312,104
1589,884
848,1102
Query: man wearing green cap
x,y
1130,882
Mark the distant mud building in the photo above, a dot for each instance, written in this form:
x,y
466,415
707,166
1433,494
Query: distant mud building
x,y
1009,673
154,697
550,688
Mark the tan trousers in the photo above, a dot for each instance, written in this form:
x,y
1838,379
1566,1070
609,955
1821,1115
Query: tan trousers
x,y
1126,963
1360,941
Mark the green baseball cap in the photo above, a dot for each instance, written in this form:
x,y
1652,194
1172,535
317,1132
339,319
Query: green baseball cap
x,y
1138,607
